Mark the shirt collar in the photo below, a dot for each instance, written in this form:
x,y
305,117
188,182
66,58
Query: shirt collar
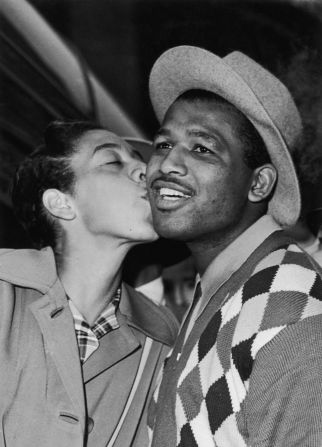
x,y
105,322
233,256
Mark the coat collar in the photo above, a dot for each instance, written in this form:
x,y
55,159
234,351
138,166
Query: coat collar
x,y
154,321
35,269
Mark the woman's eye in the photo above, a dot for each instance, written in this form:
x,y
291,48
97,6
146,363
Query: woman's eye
x,y
112,162
202,149
162,145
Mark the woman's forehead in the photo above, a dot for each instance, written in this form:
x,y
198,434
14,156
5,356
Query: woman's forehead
x,y
95,137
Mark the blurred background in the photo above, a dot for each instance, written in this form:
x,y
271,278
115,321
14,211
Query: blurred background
x,y
91,59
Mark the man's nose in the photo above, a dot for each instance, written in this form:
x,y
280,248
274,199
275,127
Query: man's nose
x,y
174,161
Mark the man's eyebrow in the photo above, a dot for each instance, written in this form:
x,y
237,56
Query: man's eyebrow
x,y
201,134
164,132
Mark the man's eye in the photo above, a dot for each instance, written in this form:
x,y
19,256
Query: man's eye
x,y
202,149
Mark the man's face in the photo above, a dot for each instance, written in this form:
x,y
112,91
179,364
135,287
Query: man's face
x,y
197,180
110,192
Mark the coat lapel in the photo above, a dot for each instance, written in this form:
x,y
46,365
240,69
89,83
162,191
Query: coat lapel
x,y
56,323
113,347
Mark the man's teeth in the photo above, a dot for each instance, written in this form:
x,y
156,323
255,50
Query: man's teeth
x,y
171,194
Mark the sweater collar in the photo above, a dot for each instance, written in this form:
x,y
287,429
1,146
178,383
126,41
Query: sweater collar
x,y
233,256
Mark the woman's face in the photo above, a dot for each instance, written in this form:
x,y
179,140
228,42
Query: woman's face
x,y
110,193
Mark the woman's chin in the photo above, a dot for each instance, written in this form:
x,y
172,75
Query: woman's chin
x,y
147,236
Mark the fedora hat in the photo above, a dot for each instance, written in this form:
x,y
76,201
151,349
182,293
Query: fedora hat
x,y
259,95
144,147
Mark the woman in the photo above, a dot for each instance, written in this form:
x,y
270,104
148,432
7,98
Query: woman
x,y
80,349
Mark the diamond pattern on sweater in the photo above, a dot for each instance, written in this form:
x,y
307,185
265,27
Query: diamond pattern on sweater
x,y
237,390
200,428
218,403
246,327
282,302
215,379
274,258
296,257
260,283
228,434
187,438
191,364
316,289
191,395
293,277
224,343
210,365
242,357
313,307
209,336
231,308
264,337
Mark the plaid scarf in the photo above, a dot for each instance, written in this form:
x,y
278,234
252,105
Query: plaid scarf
x,y
87,336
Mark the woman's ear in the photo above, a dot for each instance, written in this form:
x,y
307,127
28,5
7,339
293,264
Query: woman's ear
x,y
58,204
264,180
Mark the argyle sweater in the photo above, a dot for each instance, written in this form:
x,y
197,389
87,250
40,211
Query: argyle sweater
x,y
231,383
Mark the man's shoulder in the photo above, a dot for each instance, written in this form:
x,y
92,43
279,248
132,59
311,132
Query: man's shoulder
x,y
288,254
156,321
289,282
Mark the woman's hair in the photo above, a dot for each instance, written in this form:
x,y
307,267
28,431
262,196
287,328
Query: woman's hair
x,y
49,166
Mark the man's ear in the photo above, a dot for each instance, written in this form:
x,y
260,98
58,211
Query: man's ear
x,y
58,204
264,180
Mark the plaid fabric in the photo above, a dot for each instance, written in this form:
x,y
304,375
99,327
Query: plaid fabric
x,y
88,337
283,289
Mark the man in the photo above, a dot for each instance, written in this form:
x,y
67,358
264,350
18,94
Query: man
x,y
80,349
246,367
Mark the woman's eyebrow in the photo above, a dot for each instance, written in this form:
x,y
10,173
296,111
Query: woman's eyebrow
x,y
100,147
106,146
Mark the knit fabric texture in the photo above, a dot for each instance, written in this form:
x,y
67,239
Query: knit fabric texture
x,y
283,289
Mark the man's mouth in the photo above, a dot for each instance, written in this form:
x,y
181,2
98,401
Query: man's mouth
x,y
172,194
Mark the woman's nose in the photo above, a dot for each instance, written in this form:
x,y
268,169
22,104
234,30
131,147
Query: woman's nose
x,y
138,172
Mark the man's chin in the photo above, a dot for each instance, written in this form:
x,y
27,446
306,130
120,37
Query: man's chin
x,y
167,230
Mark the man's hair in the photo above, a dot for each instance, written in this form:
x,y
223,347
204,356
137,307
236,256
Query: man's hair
x,y
47,167
255,152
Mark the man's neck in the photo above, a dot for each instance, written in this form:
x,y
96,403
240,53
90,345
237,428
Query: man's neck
x,y
206,249
203,253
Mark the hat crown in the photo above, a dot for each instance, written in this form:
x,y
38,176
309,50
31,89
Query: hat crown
x,y
272,94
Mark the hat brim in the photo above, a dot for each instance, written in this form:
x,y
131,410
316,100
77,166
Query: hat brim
x,y
144,147
184,68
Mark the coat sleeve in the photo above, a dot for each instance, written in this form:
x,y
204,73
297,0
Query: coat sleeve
x,y
284,402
